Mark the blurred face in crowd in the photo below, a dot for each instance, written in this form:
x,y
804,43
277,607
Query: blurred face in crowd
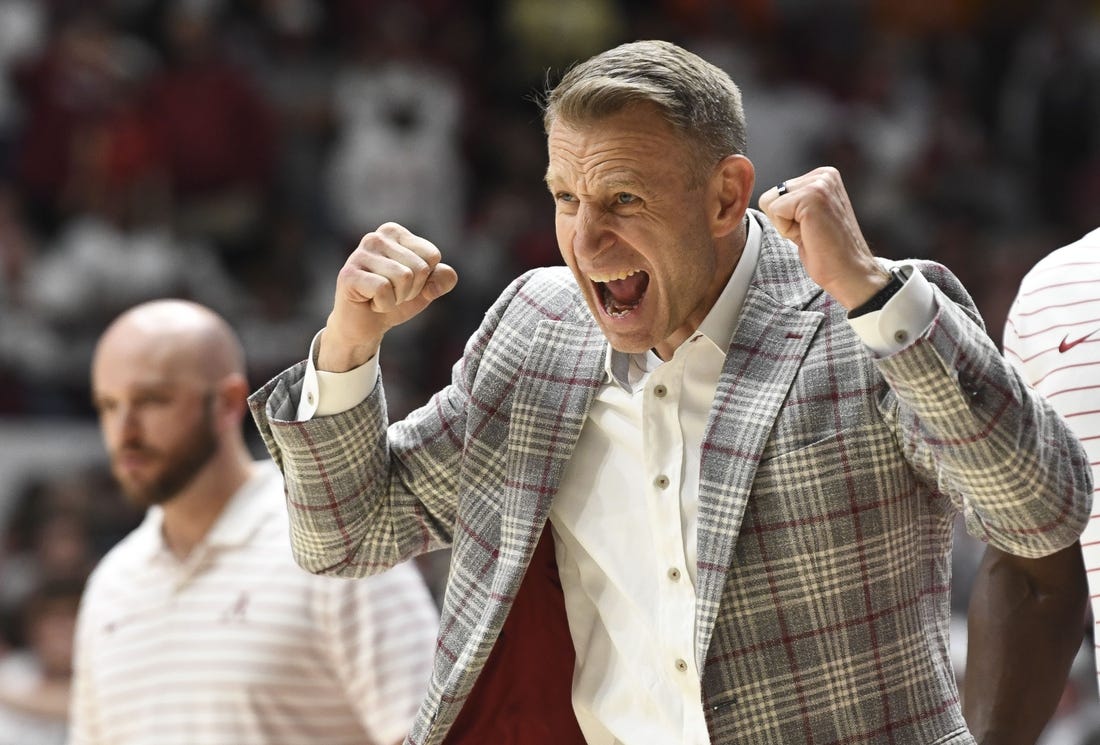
x,y
644,226
156,413
51,625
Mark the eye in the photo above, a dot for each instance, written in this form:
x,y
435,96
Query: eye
x,y
564,196
152,399
625,198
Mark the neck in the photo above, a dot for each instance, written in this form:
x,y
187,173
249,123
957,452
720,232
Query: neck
x,y
729,254
190,514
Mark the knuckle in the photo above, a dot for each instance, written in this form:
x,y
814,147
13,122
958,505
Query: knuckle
x,y
369,242
403,273
346,274
421,269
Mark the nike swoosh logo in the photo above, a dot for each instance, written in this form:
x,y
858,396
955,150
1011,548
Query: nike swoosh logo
x,y
1067,345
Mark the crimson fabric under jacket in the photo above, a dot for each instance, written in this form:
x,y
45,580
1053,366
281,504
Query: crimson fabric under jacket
x,y
829,482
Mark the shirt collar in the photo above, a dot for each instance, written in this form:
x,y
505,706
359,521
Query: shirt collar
x,y
249,508
242,515
720,322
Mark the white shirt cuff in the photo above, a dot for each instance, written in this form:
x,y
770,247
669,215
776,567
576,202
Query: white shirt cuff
x,y
327,393
904,318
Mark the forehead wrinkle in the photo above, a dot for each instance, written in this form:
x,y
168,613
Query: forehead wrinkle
x,y
586,163
605,174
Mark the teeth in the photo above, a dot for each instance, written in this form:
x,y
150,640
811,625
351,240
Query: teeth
x,y
609,277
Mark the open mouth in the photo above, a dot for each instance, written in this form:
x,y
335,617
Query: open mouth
x,y
621,293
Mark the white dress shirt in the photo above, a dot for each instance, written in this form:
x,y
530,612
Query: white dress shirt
x,y
625,516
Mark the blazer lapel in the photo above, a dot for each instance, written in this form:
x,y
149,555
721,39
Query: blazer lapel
x,y
555,388
766,352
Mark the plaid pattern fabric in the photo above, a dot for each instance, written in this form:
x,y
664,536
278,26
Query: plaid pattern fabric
x,y
829,484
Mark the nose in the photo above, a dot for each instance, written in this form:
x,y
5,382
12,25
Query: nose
x,y
122,427
592,233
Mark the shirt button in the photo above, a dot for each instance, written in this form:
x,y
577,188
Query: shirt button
x,y
681,666
661,482
660,391
674,574
309,397
901,336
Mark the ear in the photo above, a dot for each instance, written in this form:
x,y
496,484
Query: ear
x,y
231,400
728,194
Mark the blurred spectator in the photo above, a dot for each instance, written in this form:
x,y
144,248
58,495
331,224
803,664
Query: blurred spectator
x,y
1051,111
25,342
35,677
22,33
47,537
286,295
217,133
52,538
297,78
99,265
69,93
395,155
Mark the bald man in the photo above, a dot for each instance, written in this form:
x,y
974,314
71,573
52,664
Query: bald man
x,y
198,627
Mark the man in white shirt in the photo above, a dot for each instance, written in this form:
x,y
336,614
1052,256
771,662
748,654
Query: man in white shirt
x,y
1026,615
198,628
744,438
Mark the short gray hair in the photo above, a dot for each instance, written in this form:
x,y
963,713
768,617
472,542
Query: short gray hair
x,y
698,99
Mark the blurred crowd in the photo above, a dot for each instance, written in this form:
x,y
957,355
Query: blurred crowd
x,y
234,151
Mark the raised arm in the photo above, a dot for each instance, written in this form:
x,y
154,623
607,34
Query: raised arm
x,y
964,419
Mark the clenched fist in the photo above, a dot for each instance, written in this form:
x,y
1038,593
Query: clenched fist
x,y
815,213
390,277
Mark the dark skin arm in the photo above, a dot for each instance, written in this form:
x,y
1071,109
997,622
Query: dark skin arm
x,y
1025,624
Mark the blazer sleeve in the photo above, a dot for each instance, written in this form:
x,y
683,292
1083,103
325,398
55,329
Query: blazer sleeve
x,y
966,419
363,494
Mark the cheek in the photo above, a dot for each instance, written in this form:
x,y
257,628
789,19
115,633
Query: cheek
x,y
563,231
680,278
166,428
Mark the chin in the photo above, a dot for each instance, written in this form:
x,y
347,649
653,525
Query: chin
x,y
626,345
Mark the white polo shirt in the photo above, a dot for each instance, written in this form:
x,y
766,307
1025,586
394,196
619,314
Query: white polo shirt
x,y
1053,338
237,645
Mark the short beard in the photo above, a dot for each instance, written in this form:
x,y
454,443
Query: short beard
x,y
195,453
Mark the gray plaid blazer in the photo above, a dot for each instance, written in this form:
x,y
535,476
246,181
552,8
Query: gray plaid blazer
x,y
829,484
